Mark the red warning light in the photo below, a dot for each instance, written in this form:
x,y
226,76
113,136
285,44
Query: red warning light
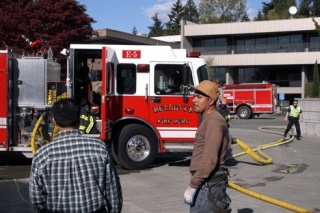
x,y
194,54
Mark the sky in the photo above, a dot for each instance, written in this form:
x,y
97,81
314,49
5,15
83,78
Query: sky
x,y
124,15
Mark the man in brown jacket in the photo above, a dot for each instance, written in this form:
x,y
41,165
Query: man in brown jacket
x,y
207,189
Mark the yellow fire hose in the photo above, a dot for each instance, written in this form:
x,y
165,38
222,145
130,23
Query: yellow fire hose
x,y
268,199
264,159
34,133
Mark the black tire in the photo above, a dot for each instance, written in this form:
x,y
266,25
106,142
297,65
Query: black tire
x,y
244,112
114,152
137,147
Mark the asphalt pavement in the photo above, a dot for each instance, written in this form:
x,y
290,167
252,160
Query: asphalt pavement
x,y
292,179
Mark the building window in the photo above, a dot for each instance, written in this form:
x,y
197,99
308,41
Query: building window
x,y
261,45
211,46
283,76
314,43
269,44
218,74
272,43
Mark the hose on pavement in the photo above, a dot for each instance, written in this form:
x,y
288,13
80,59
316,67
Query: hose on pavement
x,y
264,159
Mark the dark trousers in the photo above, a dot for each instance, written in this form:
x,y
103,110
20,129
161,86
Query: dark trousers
x,y
295,121
212,196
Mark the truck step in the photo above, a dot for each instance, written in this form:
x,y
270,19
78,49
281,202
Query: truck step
x,y
178,147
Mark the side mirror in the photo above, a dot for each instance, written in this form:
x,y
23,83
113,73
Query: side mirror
x,y
185,75
185,81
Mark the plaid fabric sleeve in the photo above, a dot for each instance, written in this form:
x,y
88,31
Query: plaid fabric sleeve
x,y
37,191
113,188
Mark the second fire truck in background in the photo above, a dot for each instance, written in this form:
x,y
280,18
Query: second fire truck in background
x,y
247,100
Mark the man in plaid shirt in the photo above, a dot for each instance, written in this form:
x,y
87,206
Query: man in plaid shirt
x,y
73,173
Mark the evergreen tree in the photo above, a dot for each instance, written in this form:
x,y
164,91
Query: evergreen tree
x,y
243,14
263,13
57,23
222,11
281,9
173,25
266,7
134,30
157,28
276,10
309,8
190,12
305,8
259,17
245,17
315,83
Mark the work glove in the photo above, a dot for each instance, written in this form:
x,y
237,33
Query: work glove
x,y
189,195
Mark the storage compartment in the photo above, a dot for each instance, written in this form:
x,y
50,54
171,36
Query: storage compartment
x,y
36,79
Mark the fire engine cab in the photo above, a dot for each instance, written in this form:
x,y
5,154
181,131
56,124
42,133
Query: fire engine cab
x,y
249,99
141,96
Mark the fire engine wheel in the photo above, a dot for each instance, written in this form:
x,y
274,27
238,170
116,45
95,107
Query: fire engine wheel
x,y
114,153
137,147
244,112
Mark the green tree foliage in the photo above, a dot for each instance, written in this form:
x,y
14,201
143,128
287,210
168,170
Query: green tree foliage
x,y
275,10
222,11
178,12
315,82
157,28
317,26
173,25
190,12
57,23
266,7
259,17
281,9
245,17
134,30
309,8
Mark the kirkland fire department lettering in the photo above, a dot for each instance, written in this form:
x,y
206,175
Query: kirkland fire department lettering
x,y
173,107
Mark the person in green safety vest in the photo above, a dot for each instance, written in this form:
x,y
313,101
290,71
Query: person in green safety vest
x,y
294,115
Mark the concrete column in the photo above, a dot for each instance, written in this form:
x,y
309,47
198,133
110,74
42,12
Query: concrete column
x,y
185,43
303,80
182,23
311,116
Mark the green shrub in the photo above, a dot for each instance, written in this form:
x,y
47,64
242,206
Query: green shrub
x,y
308,90
315,83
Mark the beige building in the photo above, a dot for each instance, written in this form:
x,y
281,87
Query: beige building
x,y
280,51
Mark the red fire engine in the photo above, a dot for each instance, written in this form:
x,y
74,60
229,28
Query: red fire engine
x,y
141,92
250,99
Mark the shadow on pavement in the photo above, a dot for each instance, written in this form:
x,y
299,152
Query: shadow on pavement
x,y
14,159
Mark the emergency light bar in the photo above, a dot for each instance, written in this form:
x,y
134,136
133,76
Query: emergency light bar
x,y
194,54
143,68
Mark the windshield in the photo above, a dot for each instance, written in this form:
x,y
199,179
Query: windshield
x,y
203,73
